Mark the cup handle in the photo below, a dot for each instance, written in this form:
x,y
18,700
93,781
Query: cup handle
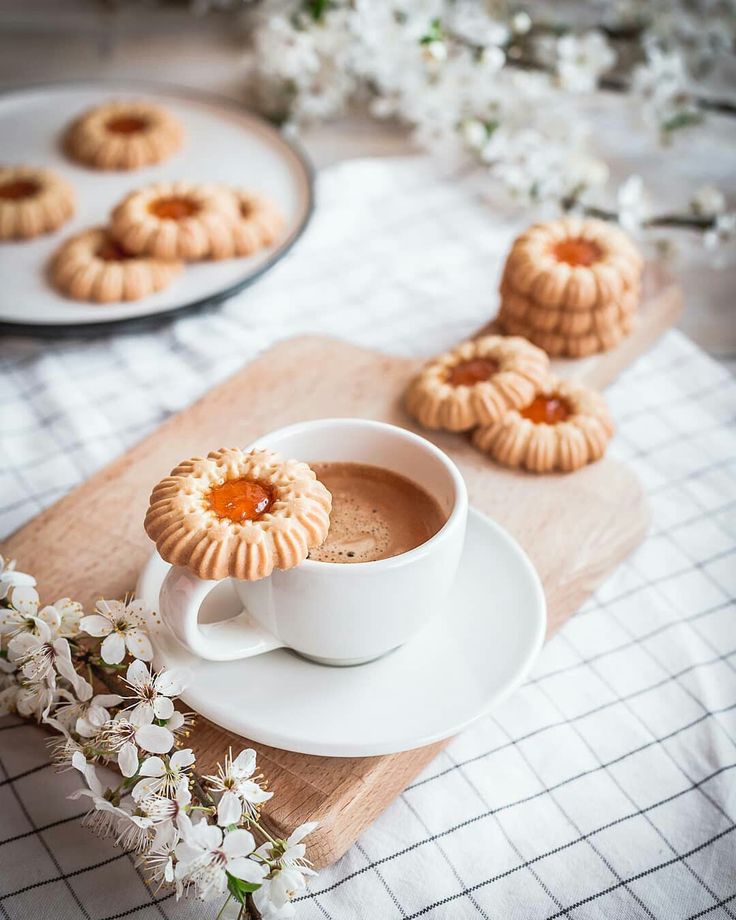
x,y
182,594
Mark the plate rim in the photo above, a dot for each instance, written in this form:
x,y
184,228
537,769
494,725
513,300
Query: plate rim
x,y
152,321
304,746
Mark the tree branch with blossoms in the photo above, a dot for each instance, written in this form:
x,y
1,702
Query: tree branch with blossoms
x,y
201,835
492,83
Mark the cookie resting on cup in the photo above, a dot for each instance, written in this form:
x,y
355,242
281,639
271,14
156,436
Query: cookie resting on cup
x,y
239,514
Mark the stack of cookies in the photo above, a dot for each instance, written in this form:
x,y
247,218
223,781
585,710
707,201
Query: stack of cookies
x,y
571,286
500,388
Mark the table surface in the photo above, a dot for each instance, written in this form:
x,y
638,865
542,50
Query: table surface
x,y
604,787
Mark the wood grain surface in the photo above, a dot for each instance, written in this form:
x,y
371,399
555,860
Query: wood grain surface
x,y
576,529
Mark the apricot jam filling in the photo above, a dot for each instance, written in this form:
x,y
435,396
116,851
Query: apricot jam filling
x,y
111,252
240,500
173,208
126,124
17,189
470,372
546,410
577,252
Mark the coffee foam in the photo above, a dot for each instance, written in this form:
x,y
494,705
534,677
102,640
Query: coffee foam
x,y
376,514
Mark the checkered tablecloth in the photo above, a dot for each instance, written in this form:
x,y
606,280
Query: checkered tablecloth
x,y
605,788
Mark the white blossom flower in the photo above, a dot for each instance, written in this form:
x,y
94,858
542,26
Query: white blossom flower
x,y
582,59
288,877
723,230
152,693
10,577
105,818
708,201
205,857
163,776
41,657
273,898
633,206
236,776
123,626
159,859
120,733
163,808
24,615
87,713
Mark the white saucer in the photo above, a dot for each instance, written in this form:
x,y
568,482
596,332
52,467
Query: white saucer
x,y
471,656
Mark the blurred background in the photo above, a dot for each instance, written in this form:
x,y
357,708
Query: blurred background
x,y
628,108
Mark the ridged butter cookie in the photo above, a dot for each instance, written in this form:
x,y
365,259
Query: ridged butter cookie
x,y
565,426
93,266
238,514
177,220
475,383
124,135
575,263
32,201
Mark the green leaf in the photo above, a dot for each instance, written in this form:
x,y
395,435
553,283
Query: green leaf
x,y
238,888
316,8
434,33
681,120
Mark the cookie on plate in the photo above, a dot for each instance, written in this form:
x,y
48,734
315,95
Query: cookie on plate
x,y
92,266
259,224
123,135
475,383
177,220
565,426
32,201
238,513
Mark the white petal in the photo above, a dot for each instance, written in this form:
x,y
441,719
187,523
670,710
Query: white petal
x,y
238,843
113,649
246,869
25,600
142,714
154,738
170,683
145,786
176,720
137,607
111,609
153,766
95,625
229,810
139,645
128,759
301,832
245,763
138,674
252,792
106,700
163,708
183,758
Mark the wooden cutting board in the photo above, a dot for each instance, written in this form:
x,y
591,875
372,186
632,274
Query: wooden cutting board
x,y
576,529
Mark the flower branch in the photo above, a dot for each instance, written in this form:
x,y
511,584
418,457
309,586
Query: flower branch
x,y
200,834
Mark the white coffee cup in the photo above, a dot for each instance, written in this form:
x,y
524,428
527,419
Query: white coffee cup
x,y
333,613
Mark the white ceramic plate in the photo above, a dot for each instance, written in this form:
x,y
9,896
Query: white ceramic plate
x,y
471,656
224,143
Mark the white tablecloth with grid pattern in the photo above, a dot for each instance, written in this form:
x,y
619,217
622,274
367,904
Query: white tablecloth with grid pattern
x,y
605,788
